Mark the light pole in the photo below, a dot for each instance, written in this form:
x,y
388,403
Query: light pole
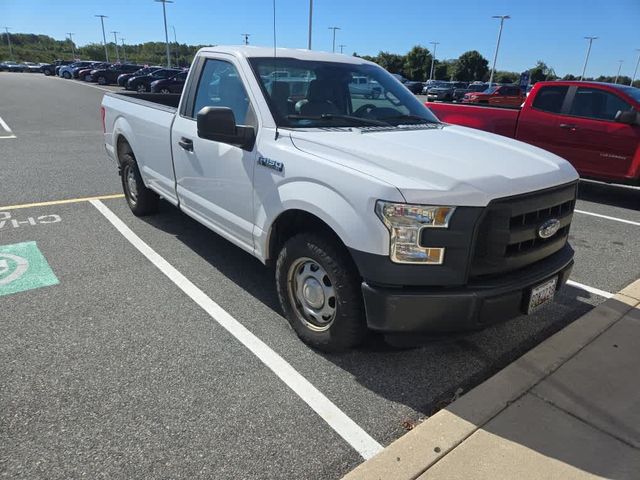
x,y
246,37
124,51
636,70
175,39
495,56
115,38
619,68
341,47
433,58
73,48
9,42
586,59
166,33
334,37
310,22
104,37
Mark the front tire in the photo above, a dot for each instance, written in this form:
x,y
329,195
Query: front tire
x,y
141,200
165,90
141,88
102,80
319,291
66,75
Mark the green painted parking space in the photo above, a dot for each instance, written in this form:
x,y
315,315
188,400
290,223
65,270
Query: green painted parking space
x,y
23,267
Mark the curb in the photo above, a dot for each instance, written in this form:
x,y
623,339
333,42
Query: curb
x,y
412,454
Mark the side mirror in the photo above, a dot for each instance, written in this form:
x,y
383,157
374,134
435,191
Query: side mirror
x,y
219,124
629,117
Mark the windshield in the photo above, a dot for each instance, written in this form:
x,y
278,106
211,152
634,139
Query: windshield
x,y
322,94
490,90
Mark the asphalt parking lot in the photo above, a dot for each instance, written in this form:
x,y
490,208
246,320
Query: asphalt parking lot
x,y
110,369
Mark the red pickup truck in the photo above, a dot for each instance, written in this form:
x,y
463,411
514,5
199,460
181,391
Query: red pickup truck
x,y
497,95
595,126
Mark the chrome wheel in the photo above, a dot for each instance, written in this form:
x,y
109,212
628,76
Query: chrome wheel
x,y
165,90
311,294
132,185
141,88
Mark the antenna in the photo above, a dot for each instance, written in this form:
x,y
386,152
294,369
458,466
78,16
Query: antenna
x,y
274,56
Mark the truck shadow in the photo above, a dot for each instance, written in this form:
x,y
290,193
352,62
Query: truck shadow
x,y
609,194
425,376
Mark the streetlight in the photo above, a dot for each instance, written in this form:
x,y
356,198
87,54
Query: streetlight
x,y
115,38
341,46
636,70
433,58
166,34
104,37
9,42
175,39
246,37
310,22
586,59
73,49
619,68
495,56
124,51
334,37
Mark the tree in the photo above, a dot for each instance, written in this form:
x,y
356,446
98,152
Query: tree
x,y
417,63
471,66
392,62
506,77
542,72
569,77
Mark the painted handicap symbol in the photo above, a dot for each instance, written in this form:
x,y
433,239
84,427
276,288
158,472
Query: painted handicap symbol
x,y
12,267
23,267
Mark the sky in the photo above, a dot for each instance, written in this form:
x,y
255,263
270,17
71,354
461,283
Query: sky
x,y
548,30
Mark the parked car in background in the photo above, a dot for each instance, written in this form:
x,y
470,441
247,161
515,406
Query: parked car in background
x,y
596,126
109,74
498,96
414,87
444,92
459,93
66,71
124,78
143,83
32,67
365,87
85,73
173,84
50,68
10,66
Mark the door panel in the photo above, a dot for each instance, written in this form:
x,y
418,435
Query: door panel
x,y
591,139
214,179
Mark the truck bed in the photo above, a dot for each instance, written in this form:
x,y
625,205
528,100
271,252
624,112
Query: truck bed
x,y
170,100
502,121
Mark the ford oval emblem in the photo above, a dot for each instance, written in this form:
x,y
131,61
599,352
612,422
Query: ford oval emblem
x,y
549,228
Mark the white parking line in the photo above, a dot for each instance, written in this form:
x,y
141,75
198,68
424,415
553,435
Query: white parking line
x,y
351,432
615,219
587,288
82,83
6,128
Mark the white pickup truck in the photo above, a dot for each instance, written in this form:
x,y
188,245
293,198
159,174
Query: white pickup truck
x,y
374,213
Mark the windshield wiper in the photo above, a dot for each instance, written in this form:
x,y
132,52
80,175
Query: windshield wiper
x,y
333,116
409,117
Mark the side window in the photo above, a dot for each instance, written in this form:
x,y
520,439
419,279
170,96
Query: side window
x,y
221,86
550,99
597,104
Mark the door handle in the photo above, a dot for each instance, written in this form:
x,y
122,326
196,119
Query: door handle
x,y
568,126
186,143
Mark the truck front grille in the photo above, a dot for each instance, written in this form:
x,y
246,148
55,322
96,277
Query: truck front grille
x,y
507,238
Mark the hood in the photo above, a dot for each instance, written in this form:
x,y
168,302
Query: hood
x,y
442,164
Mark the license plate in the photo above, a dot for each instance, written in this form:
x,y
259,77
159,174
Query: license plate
x,y
542,294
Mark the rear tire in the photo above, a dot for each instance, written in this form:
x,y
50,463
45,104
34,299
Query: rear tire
x,y
319,291
165,90
141,88
141,200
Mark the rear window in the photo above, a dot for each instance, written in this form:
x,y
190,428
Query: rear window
x,y
550,99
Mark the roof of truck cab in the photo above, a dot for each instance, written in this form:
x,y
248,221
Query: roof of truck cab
x,y
250,51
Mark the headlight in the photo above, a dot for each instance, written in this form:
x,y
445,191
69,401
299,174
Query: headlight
x,y
405,223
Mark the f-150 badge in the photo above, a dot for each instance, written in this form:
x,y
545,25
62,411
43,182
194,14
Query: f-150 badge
x,y
272,164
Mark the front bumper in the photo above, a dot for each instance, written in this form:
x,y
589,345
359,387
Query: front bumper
x,y
473,306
